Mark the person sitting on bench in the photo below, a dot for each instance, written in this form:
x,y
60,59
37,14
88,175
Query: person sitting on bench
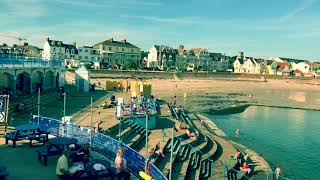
x,y
62,169
82,155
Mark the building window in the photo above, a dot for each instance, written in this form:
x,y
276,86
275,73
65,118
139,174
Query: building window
x,y
131,50
54,49
72,51
80,50
67,50
86,50
80,57
86,57
109,48
122,49
103,48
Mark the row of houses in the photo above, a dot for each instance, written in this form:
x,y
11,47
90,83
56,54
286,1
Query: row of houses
x,y
124,55
105,54
276,66
23,50
166,57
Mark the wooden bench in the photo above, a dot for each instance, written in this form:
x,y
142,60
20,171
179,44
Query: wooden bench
x,y
14,137
43,155
42,138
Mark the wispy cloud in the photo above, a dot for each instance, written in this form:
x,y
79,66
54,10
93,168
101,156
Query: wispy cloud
x,y
18,9
304,5
178,20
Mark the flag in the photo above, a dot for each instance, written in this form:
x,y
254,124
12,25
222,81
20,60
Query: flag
x,y
3,107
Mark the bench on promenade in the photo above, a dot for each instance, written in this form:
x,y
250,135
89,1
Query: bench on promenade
x,y
43,154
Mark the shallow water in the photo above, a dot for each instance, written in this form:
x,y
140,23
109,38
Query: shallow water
x,y
286,137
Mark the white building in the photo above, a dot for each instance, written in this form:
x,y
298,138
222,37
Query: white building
x,y
53,49
161,56
88,55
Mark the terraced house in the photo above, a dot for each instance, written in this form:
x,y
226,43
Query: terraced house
x,y
185,58
161,56
203,58
25,50
119,54
53,49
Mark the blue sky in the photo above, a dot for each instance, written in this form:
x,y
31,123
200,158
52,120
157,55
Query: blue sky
x,y
272,28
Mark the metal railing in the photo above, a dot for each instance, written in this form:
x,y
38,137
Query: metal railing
x,y
104,144
20,61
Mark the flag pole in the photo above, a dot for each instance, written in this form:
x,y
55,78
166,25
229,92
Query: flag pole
x,y
91,124
39,106
64,106
147,158
171,155
7,111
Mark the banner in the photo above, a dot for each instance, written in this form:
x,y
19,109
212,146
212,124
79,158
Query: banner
x,y
3,108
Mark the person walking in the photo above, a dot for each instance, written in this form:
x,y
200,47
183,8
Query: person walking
x,y
278,171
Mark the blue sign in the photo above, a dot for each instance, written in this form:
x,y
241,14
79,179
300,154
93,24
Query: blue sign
x,y
3,107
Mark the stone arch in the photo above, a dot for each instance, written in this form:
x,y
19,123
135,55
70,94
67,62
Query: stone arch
x,y
23,82
6,80
49,81
37,81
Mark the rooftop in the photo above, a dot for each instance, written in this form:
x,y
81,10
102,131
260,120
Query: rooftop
x,y
111,42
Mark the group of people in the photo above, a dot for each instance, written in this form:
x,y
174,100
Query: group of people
x,y
68,157
71,156
142,103
242,166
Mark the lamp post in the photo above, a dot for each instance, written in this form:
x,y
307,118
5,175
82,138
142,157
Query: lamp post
x,y
39,106
171,154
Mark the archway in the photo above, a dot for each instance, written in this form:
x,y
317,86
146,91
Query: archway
x,y
49,80
6,83
37,81
6,80
23,83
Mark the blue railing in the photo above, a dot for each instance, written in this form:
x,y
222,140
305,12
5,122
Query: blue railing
x,y
19,61
101,143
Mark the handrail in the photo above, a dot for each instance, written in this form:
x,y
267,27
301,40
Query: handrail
x,y
106,145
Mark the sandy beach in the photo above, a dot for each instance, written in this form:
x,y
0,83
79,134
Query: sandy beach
x,y
202,95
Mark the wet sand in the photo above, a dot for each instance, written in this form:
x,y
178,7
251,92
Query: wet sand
x,y
203,95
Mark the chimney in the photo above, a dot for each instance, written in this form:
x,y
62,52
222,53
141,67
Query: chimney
x,y
25,44
47,39
111,39
75,43
124,40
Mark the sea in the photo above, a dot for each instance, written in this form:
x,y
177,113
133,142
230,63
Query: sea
x,y
289,138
